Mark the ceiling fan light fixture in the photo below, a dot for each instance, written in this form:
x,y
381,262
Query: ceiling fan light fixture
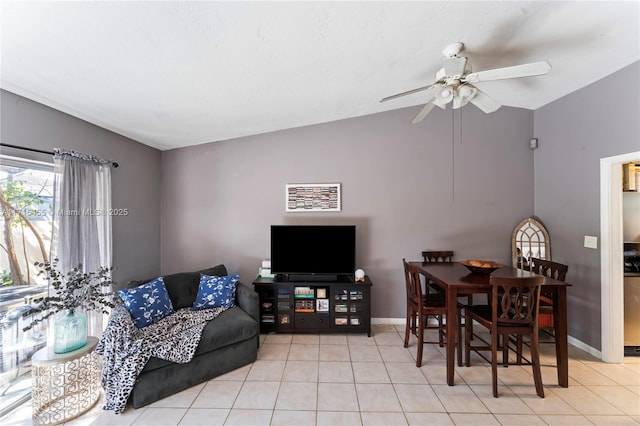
x,y
457,102
466,92
443,96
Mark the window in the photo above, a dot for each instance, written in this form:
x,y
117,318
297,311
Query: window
x,y
25,238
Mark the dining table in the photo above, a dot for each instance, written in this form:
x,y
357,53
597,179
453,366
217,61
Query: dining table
x,y
456,280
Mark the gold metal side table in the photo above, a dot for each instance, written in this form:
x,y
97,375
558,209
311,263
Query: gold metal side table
x,y
65,385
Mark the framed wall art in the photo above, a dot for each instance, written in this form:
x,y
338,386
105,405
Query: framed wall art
x,y
313,197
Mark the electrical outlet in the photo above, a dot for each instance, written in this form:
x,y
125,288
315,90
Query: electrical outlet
x,y
590,242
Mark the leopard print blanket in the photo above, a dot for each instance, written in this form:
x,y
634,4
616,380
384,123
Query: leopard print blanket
x,y
126,349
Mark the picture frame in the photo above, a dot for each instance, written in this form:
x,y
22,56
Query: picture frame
x,y
313,197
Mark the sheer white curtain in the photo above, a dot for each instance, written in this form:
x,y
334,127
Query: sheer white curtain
x,y
82,219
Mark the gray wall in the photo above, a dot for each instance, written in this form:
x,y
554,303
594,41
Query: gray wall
x,y
135,183
575,132
437,185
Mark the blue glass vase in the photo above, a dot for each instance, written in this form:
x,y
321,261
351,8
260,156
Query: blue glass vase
x,y
70,332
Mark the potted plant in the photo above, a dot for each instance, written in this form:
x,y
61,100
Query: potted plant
x,y
74,292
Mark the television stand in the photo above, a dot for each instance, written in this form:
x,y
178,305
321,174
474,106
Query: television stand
x,y
313,277
289,305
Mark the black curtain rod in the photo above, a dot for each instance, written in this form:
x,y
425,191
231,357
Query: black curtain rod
x,y
114,164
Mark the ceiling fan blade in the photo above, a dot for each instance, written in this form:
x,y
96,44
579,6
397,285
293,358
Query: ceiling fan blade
x,y
423,113
516,71
484,102
454,66
426,109
440,103
408,92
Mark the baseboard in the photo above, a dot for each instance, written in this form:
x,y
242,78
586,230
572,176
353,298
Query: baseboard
x,y
583,346
385,321
396,321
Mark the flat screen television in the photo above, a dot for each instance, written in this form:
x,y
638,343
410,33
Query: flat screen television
x,y
313,252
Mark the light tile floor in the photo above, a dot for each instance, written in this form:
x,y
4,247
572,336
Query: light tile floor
x,y
355,380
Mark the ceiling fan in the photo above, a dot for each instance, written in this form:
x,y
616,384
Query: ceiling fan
x,y
453,83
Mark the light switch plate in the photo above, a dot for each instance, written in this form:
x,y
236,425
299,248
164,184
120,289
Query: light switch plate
x,y
590,241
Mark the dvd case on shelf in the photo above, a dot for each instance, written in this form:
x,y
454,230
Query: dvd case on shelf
x,y
303,293
322,305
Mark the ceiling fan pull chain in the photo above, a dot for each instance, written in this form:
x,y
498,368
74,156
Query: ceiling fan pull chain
x,y
453,156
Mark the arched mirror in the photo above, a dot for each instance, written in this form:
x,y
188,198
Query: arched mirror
x,y
529,239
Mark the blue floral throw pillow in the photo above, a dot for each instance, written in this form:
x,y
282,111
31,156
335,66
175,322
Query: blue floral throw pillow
x,y
216,292
147,303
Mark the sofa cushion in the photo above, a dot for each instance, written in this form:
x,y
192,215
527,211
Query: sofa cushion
x,y
147,303
216,292
183,287
232,326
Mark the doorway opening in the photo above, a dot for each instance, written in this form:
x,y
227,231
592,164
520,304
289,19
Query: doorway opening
x,y
611,256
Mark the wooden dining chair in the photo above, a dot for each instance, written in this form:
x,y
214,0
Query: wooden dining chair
x,y
440,256
437,256
421,306
429,256
513,311
554,270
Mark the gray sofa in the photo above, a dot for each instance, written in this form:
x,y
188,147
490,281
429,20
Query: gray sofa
x,y
228,341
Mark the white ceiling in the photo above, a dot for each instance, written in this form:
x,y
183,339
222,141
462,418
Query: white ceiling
x,y
173,74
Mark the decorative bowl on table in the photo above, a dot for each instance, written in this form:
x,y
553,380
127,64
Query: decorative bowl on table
x,y
481,266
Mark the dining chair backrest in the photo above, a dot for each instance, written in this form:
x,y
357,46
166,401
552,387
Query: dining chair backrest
x,y
515,301
412,281
430,256
549,269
